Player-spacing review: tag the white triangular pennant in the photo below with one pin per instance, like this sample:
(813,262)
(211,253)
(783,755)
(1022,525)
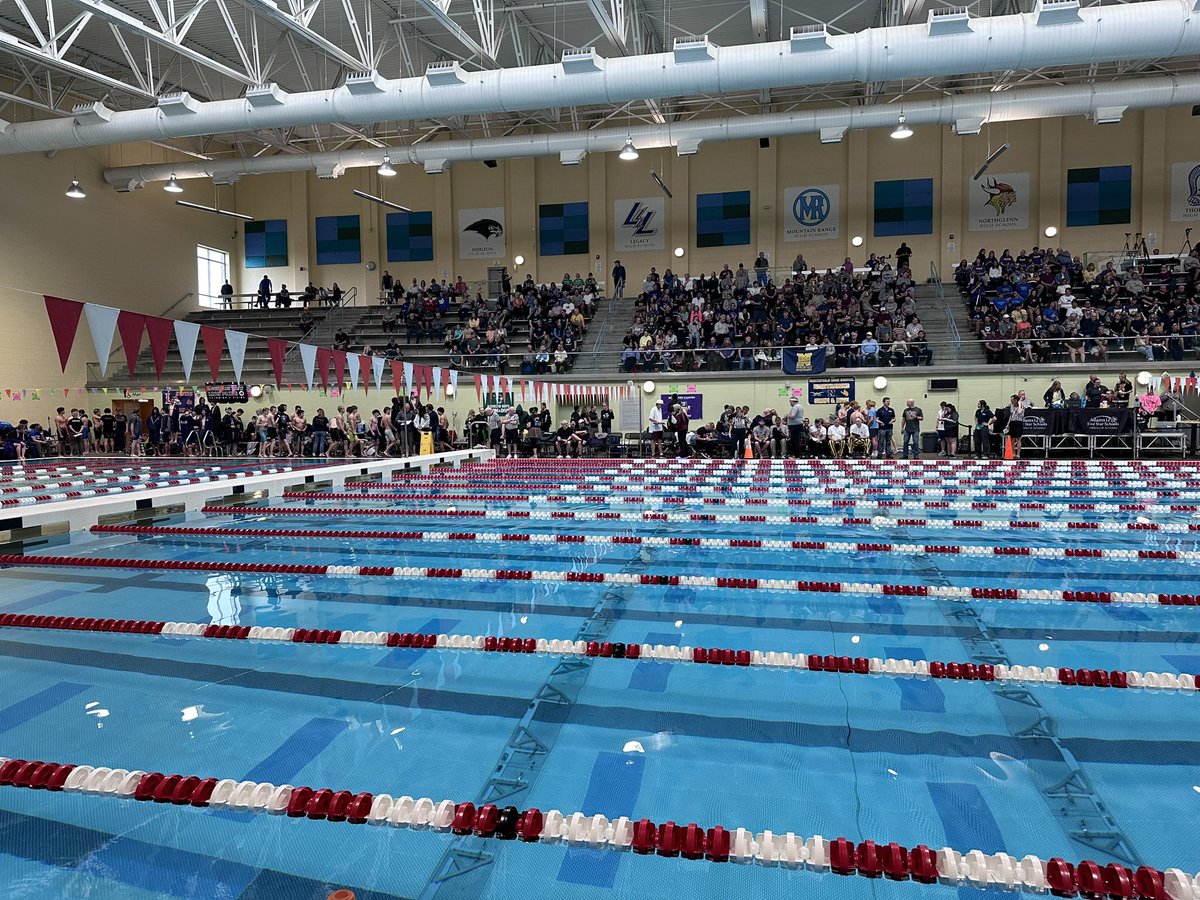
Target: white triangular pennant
(408,378)
(377,370)
(236,342)
(353,364)
(453,373)
(102,321)
(437,381)
(308,355)
(186,334)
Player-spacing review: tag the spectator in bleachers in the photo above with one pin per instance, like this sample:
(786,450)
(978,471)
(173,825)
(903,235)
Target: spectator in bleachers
(264,292)
(283,300)
(306,322)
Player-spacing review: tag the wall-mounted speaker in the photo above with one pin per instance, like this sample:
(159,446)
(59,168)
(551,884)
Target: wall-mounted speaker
(764,143)
(490,163)
(943,384)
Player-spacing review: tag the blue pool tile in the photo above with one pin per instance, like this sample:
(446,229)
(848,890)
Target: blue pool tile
(612,792)
(1188,664)
(165,871)
(920,694)
(31,707)
(969,825)
(885,606)
(652,675)
(37,600)
(304,745)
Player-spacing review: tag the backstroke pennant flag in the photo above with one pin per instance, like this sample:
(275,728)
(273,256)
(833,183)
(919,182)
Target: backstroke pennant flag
(324,358)
(453,373)
(102,322)
(131,325)
(352,366)
(186,334)
(277,347)
(308,356)
(339,367)
(377,371)
(236,342)
(160,331)
(437,381)
(214,343)
(64,323)
(397,376)
(408,379)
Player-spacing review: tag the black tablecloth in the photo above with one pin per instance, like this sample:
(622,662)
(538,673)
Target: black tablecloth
(1078,421)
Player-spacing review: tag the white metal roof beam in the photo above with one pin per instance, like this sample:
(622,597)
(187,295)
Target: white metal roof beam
(269,12)
(440,10)
(17,47)
(123,20)
(758,19)
(614,24)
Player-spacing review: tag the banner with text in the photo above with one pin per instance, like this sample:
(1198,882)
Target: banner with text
(481,233)
(639,224)
(999,202)
(1185,192)
(812,213)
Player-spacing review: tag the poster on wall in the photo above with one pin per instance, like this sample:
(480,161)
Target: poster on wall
(563,229)
(999,202)
(639,224)
(830,391)
(1185,192)
(812,213)
(481,233)
(693,404)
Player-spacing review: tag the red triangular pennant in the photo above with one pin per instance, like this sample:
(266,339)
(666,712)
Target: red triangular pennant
(277,347)
(214,343)
(131,325)
(397,377)
(64,322)
(478,388)
(366,372)
(161,331)
(339,366)
(324,358)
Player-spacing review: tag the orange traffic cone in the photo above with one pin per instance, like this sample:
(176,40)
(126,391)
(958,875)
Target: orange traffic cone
(749,454)
(1008,448)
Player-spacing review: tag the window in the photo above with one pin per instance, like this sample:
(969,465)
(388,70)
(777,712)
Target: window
(212,268)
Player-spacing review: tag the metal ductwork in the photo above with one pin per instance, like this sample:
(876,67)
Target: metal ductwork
(965,112)
(1056,33)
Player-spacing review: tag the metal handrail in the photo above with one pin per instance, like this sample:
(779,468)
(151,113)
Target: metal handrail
(935,279)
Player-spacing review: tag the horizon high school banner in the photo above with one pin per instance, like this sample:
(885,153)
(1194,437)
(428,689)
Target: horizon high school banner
(904,206)
(1099,196)
(812,213)
(410,236)
(481,233)
(1185,192)
(999,202)
(800,362)
(338,241)
(639,224)
(563,229)
(266,243)
(723,219)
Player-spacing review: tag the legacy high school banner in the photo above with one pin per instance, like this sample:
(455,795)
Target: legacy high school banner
(481,233)
(1185,192)
(812,213)
(639,224)
(999,202)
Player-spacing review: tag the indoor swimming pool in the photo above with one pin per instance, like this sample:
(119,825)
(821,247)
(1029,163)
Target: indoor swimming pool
(971,656)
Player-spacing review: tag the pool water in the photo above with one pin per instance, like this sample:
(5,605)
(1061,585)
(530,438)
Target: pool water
(1048,770)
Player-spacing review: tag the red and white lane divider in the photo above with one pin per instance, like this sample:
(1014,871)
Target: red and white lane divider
(716,656)
(764,519)
(645,837)
(140,486)
(658,501)
(504,537)
(956,592)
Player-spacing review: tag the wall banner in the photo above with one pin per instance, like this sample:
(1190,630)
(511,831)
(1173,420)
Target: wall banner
(1185,192)
(999,202)
(481,233)
(639,224)
(812,213)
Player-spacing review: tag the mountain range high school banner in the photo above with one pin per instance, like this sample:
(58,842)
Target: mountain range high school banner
(812,213)
(1185,192)
(639,224)
(481,233)
(998,202)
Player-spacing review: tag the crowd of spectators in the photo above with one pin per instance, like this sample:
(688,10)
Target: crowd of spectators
(1047,306)
(740,319)
(476,333)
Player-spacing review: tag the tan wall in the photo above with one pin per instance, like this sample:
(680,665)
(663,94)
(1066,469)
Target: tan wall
(1149,141)
(136,251)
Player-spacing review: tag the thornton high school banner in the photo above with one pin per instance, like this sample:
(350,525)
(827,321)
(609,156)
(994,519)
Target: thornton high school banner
(1185,192)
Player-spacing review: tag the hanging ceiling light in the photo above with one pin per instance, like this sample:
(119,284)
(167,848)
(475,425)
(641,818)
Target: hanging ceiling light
(75,192)
(901,130)
(628,151)
(385,167)
(172,186)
